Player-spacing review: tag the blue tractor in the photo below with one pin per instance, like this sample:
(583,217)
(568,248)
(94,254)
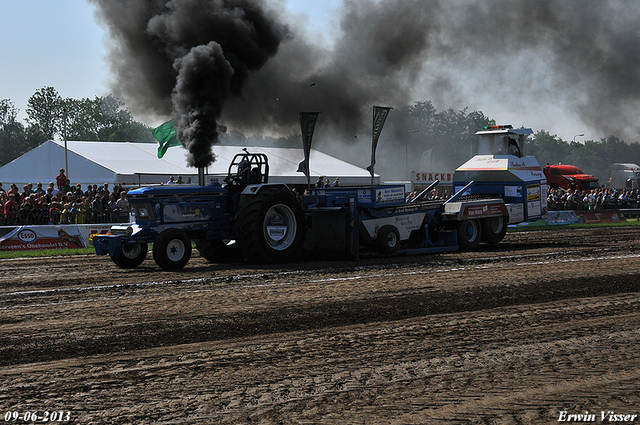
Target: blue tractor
(243,218)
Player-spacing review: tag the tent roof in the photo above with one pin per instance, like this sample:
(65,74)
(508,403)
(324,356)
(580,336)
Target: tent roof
(126,162)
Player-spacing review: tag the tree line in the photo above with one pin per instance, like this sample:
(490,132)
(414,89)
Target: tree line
(50,116)
(449,135)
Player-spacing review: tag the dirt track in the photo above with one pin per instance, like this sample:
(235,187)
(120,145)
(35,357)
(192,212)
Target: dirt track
(546,322)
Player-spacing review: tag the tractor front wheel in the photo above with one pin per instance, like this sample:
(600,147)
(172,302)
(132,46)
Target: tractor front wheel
(131,256)
(172,250)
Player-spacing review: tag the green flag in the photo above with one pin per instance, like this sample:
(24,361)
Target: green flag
(166,135)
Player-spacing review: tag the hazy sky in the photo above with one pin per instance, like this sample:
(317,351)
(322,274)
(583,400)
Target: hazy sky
(60,44)
(50,43)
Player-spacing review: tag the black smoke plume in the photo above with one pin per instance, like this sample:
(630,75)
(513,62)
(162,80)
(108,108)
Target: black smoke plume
(519,57)
(185,58)
(254,68)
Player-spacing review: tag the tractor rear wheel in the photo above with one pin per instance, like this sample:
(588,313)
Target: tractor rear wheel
(217,251)
(270,225)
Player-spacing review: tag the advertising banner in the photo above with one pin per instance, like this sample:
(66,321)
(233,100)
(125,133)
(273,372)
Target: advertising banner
(42,237)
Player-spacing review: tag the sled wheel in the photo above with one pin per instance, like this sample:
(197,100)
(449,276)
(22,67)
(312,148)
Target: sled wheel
(388,239)
(172,250)
(270,225)
(131,256)
(468,234)
(494,229)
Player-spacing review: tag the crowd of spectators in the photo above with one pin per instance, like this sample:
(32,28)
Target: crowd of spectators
(322,183)
(62,203)
(591,200)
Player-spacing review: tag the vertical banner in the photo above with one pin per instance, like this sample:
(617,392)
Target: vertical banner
(307,126)
(379,117)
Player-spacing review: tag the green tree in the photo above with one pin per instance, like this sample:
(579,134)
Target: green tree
(8,112)
(13,137)
(550,149)
(44,112)
(103,119)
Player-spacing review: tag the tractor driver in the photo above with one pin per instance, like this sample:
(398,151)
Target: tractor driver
(513,148)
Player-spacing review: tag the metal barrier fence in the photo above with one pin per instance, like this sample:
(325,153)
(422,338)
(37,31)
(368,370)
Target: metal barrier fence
(41,217)
(630,212)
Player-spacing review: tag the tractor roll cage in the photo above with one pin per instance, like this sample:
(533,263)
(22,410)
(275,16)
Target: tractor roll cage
(248,168)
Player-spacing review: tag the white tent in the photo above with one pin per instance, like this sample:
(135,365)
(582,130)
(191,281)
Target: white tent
(138,163)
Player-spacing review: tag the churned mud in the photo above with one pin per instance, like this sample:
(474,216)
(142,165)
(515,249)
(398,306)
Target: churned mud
(544,323)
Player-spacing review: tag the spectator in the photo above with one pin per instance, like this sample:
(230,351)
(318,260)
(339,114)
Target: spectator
(24,216)
(1,188)
(552,200)
(113,209)
(11,210)
(61,180)
(171,180)
(14,190)
(48,197)
(180,180)
(45,213)
(32,199)
(123,208)
(336,182)
(3,200)
(65,215)
(39,190)
(320,182)
(53,189)
(104,198)
(297,194)
(82,212)
(97,209)
(36,213)
(67,187)
(410,196)
(55,213)
(78,193)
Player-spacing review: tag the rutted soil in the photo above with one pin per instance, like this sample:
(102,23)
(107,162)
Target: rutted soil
(545,322)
